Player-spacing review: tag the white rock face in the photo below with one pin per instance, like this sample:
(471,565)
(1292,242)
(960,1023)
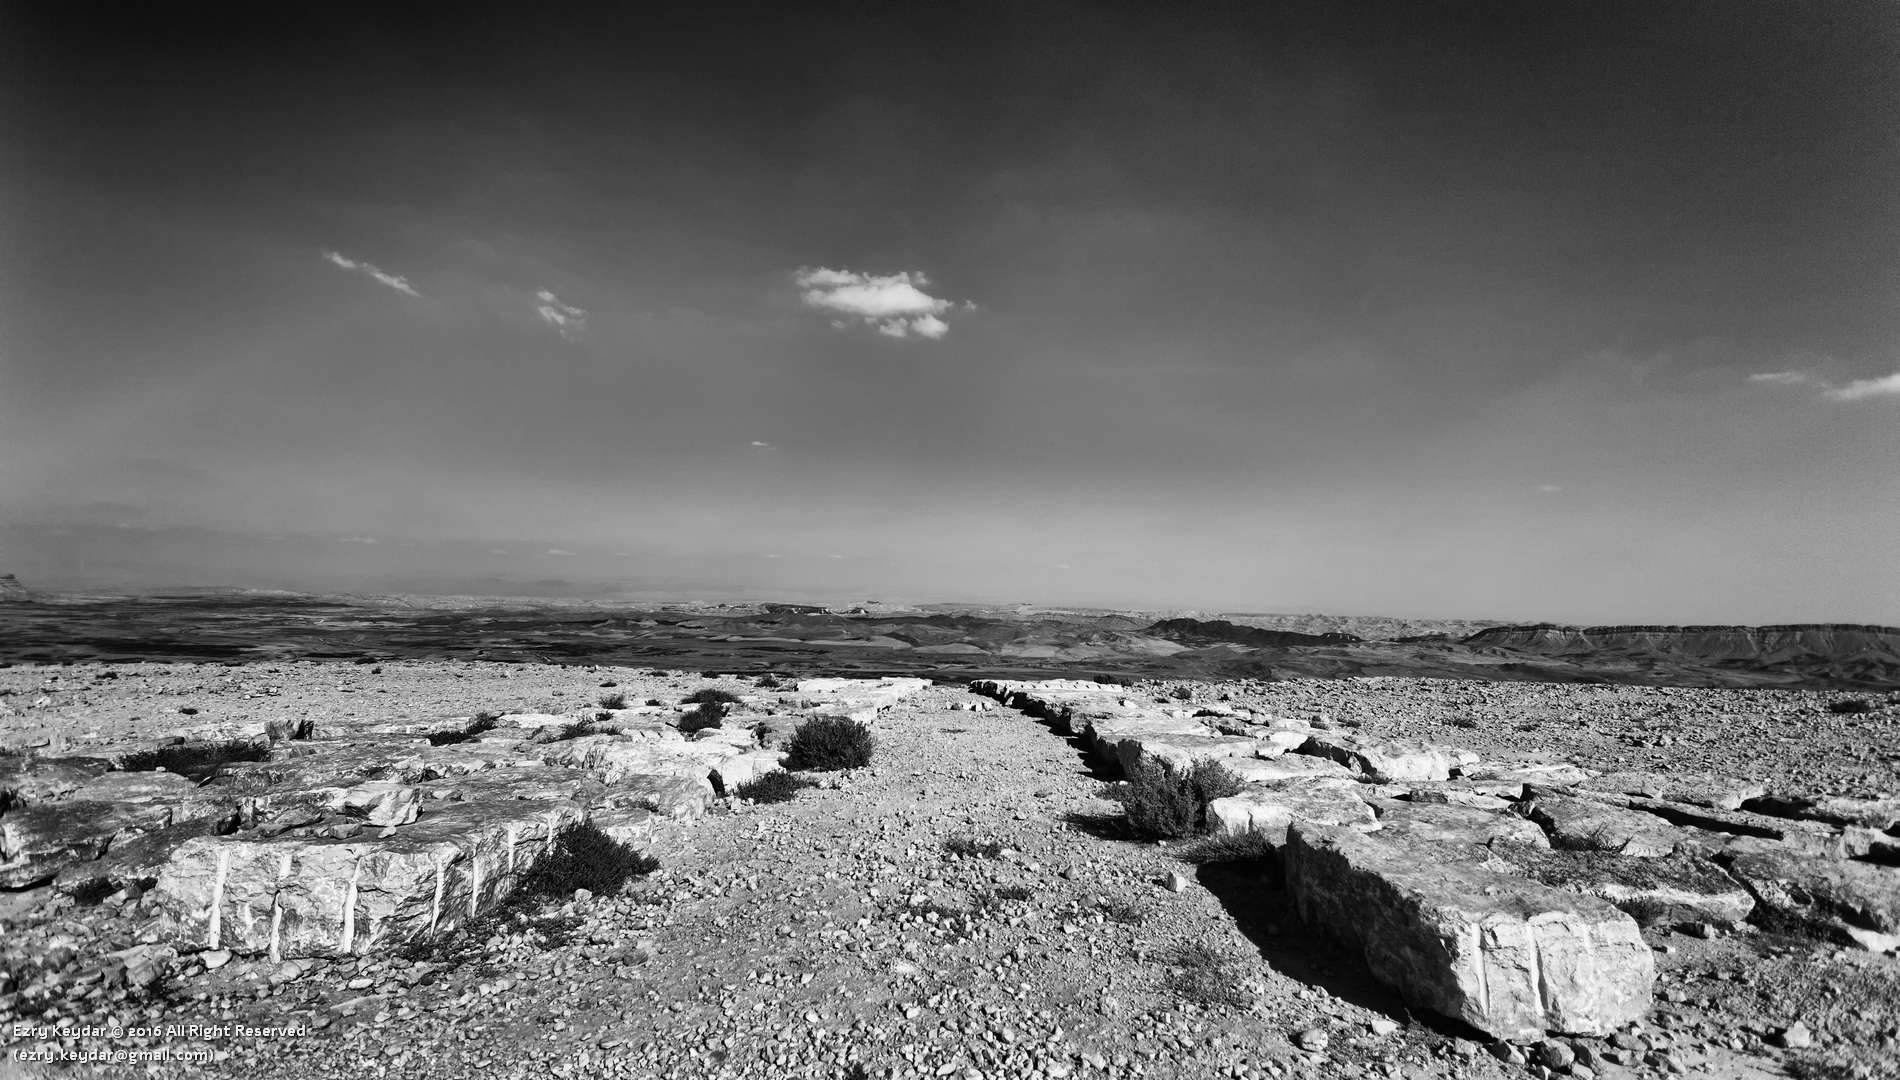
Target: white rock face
(295,896)
(1383,762)
(382,803)
(1270,809)
(1510,957)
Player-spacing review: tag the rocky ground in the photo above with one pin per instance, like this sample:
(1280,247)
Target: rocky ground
(962,907)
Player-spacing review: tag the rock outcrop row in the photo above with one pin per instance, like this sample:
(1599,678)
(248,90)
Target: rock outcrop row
(344,837)
(1509,895)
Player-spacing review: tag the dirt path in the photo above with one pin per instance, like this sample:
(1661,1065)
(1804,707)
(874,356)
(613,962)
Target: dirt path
(798,939)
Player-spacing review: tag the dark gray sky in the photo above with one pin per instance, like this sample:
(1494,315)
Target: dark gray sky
(1588,312)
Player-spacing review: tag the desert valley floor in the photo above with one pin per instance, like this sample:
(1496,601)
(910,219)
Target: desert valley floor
(967,905)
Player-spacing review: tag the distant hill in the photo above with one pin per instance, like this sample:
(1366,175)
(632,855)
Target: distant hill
(1834,650)
(1220,631)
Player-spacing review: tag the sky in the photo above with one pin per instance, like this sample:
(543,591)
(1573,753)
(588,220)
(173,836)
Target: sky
(1579,312)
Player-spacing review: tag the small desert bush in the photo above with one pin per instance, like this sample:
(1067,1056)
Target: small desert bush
(710,696)
(828,744)
(482,721)
(708,715)
(1160,804)
(1123,912)
(197,760)
(1199,975)
(775,786)
(966,848)
(1464,722)
(1244,847)
(613,701)
(586,858)
(571,730)
(1016,893)
(1850,705)
(608,685)
(767,681)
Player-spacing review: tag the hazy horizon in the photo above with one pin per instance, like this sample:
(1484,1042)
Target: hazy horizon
(1581,313)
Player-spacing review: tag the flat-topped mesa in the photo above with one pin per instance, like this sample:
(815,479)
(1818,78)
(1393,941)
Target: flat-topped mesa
(1772,644)
(12,592)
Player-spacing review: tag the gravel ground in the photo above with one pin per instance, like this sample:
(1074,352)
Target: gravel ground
(799,939)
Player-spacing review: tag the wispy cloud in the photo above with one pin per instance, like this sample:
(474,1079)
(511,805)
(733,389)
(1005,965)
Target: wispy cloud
(1549,489)
(562,552)
(357,540)
(894,305)
(1883,386)
(1782,378)
(1857,390)
(394,281)
(762,445)
(566,318)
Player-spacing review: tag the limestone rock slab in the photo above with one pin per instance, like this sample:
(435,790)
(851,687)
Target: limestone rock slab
(1383,761)
(1270,809)
(1510,957)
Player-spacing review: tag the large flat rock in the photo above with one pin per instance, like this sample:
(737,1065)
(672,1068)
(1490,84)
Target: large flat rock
(1666,890)
(300,895)
(1841,896)
(1288,767)
(1178,753)
(1269,810)
(1383,761)
(1588,825)
(1510,957)
(1444,823)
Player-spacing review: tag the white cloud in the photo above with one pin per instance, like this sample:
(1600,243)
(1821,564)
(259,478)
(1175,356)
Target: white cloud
(894,305)
(559,551)
(356,540)
(498,551)
(566,318)
(1857,390)
(763,445)
(775,555)
(396,282)
(1550,489)
(1883,386)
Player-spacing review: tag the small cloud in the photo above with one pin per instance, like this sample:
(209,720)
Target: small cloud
(1781,378)
(1064,566)
(894,305)
(775,555)
(357,540)
(566,318)
(834,556)
(1883,386)
(762,445)
(1550,489)
(1857,390)
(559,551)
(394,281)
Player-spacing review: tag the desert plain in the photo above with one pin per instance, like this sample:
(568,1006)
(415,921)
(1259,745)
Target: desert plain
(256,835)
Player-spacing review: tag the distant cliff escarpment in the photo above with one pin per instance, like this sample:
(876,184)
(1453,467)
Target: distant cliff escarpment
(1222,632)
(1845,649)
(12,592)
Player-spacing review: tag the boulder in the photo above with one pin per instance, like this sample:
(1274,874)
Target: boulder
(1877,814)
(1510,957)
(1380,761)
(382,802)
(1696,789)
(1443,823)
(1665,890)
(1587,825)
(1288,767)
(1838,897)
(745,768)
(1508,779)
(297,896)
(1270,809)
(1179,752)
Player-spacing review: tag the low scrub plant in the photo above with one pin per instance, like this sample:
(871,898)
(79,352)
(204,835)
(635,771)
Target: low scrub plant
(1850,705)
(1240,848)
(613,701)
(828,744)
(482,721)
(773,787)
(711,714)
(1163,804)
(1199,975)
(711,695)
(586,858)
(197,760)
